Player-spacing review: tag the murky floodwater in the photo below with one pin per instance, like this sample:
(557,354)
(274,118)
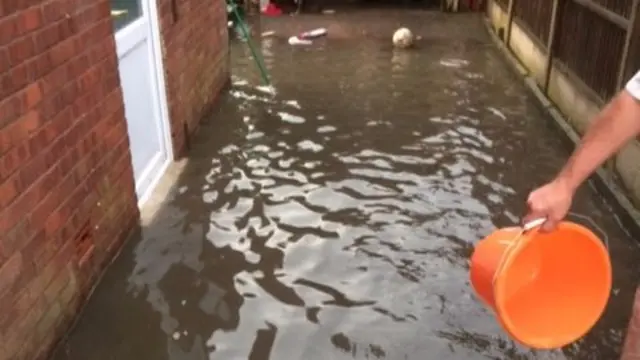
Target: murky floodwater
(335,219)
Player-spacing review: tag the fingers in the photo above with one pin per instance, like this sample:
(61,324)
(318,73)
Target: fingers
(534,209)
(532,216)
(549,225)
(550,202)
(539,208)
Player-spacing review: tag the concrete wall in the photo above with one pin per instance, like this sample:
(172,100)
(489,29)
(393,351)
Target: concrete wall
(578,105)
(196,55)
(67,199)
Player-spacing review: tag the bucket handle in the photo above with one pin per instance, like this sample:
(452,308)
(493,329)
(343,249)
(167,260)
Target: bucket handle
(605,238)
(533,224)
(539,221)
(528,226)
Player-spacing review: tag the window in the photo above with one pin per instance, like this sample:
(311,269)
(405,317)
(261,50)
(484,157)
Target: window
(124,12)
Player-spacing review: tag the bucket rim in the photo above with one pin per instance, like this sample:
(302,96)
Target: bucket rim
(499,289)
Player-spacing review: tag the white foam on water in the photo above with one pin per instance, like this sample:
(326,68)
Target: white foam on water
(240,82)
(326,129)
(268,89)
(497,112)
(454,63)
(290,118)
(310,146)
(293,103)
(209,196)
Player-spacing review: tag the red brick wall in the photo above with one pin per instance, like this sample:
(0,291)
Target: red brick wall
(196,59)
(67,196)
(631,350)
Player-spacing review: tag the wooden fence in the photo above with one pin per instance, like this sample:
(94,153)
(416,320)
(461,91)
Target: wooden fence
(596,40)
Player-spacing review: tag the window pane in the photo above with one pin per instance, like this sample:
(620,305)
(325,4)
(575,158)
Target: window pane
(125,12)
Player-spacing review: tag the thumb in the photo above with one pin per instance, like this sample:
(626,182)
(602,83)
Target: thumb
(550,224)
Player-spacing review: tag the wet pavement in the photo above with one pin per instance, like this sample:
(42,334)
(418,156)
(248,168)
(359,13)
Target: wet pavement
(335,219)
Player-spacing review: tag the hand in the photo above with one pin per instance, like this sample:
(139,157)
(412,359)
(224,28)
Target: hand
(551,201)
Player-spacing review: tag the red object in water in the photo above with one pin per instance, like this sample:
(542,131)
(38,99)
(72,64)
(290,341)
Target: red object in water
(272,10)
(475,5)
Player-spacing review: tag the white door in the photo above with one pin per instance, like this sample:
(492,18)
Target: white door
(141,78)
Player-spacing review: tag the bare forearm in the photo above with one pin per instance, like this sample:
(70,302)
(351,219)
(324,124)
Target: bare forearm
(616,124)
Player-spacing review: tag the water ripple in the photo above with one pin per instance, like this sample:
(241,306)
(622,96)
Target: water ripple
(334,218)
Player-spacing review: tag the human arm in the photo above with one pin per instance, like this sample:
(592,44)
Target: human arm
(614,126)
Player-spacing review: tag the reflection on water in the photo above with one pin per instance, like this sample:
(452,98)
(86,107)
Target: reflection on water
(334,218)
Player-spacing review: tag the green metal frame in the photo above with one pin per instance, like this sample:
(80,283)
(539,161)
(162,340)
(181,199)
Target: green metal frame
(232,8)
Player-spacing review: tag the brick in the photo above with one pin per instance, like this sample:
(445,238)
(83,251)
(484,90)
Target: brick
(23,301)
(32,95)
(193,67)
(13,240)
(8,191)
(64,148)
(8,29)
(61,52)
(10,216)
(68,293)
(48,320)
(31,19)
(13,6)
(15,79)
(10,271)
(45,38)
(54,10)
(20,130)
(46,253)
(11,138)
(5,63)
(21,50)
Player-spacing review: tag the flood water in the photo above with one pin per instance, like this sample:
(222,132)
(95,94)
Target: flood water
(335,218)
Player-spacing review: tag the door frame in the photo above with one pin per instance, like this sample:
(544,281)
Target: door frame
(158,85)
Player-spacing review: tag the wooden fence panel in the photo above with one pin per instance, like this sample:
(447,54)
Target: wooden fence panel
(633,64)
(535,16)
(590,37)
(620,7)
(590,46)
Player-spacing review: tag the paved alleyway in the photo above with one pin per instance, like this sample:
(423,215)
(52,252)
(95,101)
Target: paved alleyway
(334,220)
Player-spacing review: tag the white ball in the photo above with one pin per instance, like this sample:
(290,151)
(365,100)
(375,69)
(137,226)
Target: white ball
(403,38)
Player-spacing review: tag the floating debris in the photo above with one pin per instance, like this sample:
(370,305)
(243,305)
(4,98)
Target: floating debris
(269,89)
(290,118)
(293,103)
(305,37)
(294,40)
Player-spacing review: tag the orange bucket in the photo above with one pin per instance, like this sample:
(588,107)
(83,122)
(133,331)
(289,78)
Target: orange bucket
(546,289)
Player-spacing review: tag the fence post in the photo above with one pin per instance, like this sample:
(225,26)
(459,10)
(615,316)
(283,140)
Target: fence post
(630,42)
(510,12)
(551,39)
